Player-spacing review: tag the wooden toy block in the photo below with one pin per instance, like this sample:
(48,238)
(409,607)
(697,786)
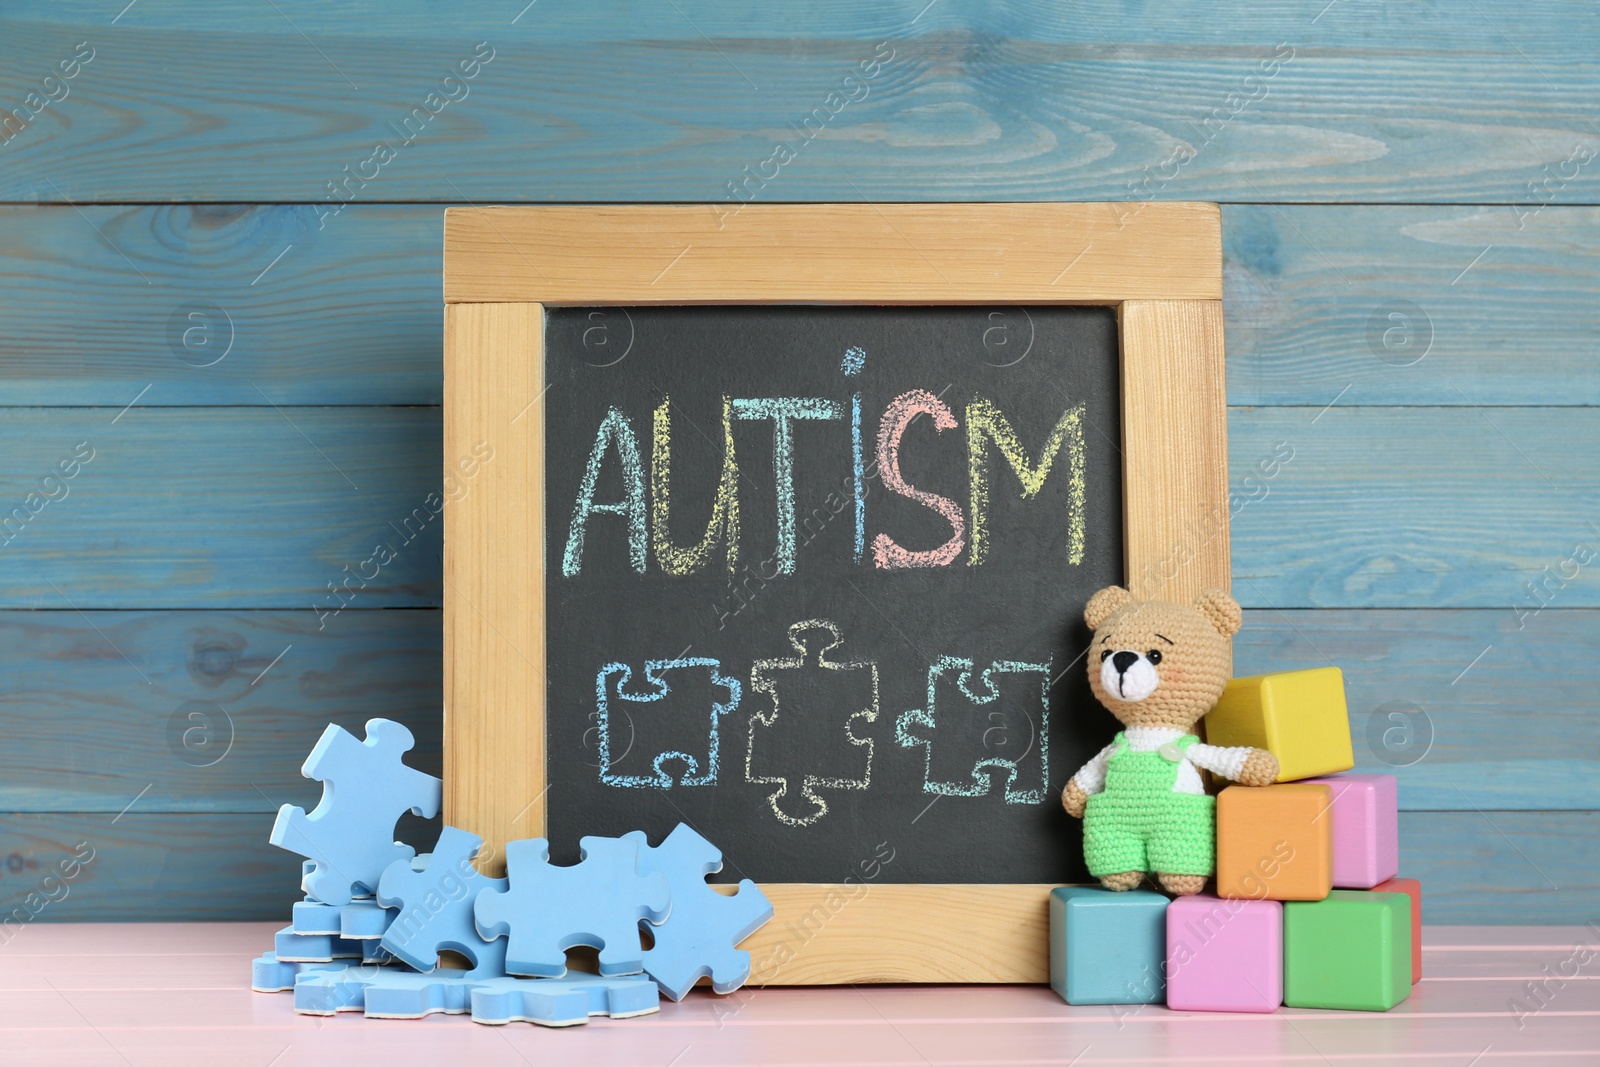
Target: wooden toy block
(1298,716)
(1275,842)
(1350,951)
(1413,889)
(1366,828)
(1224,955)
(1106,947)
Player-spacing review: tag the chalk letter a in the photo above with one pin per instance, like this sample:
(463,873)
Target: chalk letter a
(614,428)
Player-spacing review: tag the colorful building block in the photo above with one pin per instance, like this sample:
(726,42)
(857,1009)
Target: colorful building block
(1275,842)
(1413,889)
(1366,828)
(1350,951)
(1298,716)
(1224,955)
(1106,947)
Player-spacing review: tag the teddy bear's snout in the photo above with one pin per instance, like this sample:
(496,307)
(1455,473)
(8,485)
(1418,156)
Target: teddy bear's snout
(1128,676)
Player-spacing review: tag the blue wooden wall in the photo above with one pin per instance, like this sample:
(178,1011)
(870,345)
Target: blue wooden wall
(243,374)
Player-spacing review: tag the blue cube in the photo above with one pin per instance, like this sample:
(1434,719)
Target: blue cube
(1108,948)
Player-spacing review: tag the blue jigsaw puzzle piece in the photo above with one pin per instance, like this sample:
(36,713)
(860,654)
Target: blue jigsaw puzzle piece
(269,974)
(702,931)
(597,902)
(567,1001)
(291,947)
(381,992)
(366,788)
(968,731)
(372,951)
(435,907)
(672,732)
(355,921)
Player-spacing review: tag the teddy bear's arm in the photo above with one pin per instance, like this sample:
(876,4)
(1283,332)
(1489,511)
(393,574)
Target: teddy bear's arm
(1091,777)
(1227,762)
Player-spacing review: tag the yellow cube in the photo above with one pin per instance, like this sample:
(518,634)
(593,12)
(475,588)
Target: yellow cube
(1298,716)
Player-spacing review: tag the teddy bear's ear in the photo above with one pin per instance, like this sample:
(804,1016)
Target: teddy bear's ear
(1221,611)
(1103,603)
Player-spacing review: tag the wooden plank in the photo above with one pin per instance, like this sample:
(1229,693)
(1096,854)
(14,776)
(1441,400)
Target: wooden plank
(970,103)
(222,507)
(1497,867)
(350,315)
(224,304)
(494,577)
(1456,728)
(145,866)
(1482,740)
(1412,305)
(839,253)
(1405,507)
(1174,448)
(200,710)
(1503,867)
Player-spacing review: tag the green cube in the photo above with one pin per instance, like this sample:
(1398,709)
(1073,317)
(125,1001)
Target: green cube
(1350,951)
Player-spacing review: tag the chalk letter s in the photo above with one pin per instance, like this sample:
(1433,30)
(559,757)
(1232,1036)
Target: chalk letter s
(901,410)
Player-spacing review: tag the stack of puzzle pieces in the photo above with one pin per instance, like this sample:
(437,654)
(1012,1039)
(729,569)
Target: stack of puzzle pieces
(1307,909)
(376,916)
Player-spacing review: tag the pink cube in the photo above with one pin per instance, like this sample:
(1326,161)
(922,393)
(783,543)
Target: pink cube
(1366,828)
(1224,955)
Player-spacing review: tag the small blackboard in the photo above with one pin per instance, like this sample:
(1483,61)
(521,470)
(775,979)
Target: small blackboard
(815,580)
(871,704)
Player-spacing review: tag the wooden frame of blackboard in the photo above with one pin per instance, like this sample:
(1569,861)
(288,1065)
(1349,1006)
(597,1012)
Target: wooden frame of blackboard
(1159,264)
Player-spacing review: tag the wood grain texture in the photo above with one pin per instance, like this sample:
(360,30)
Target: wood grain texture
(148,866)
(1494,867)
(1174,448)
(1377,507)
(200,710)
(68,700)
(860,932)
(1380,305)
(222,507)
(219,304)
(350,314)
(834,253)
(494,644)
(1096,101)
(1415,507)
(1441,699)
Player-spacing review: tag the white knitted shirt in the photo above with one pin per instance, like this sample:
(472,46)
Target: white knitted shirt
(1227,762)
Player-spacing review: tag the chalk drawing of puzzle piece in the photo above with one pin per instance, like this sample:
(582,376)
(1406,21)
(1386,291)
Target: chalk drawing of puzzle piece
(670,723)
(700,935)
(365,790)
(809,741)
(976,722)
(434,897)
(566,1001)
(597,902)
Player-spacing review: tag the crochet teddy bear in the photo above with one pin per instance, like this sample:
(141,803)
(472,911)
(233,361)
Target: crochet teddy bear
(1158,667)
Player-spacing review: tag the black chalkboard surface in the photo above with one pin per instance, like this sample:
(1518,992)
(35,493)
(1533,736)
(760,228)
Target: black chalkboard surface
(815,578)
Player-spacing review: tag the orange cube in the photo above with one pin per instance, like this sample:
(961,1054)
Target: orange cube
(1275,842)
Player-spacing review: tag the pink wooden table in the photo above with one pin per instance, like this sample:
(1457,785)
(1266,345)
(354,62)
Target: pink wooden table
(176,994)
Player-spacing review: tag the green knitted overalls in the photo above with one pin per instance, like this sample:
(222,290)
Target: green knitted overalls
(1139,824)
